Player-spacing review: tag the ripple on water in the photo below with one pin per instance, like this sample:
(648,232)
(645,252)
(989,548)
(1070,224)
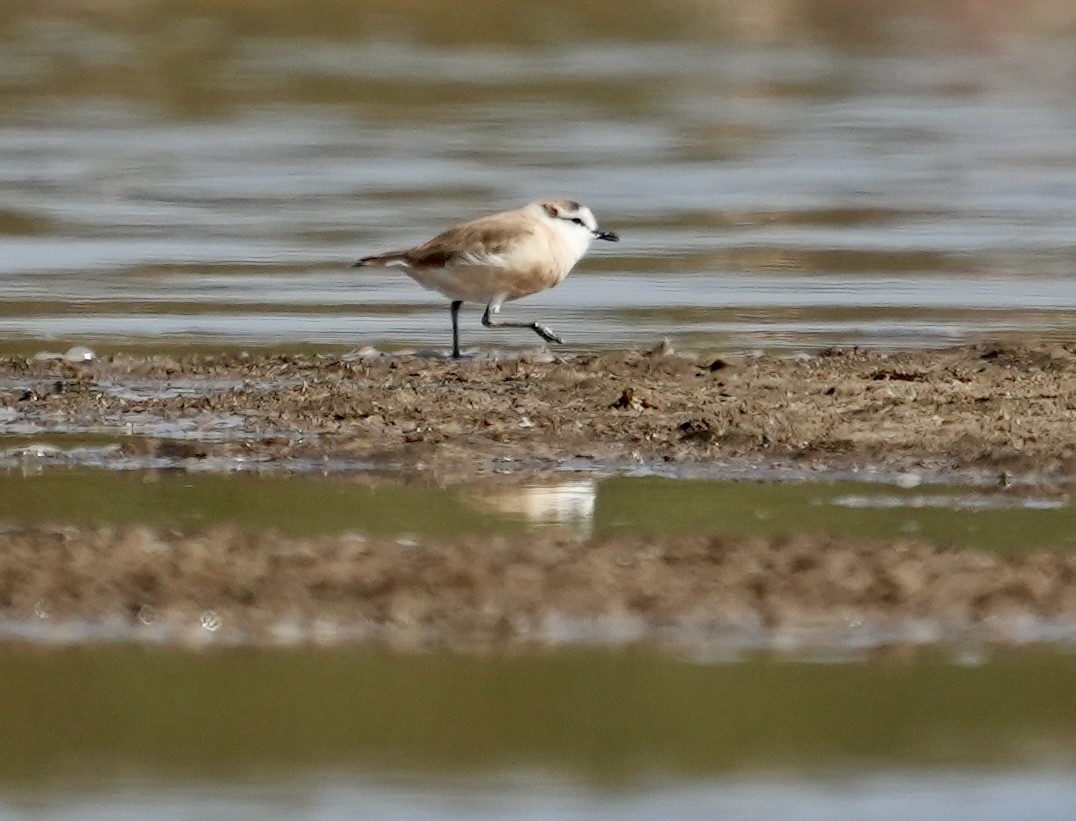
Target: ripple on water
(791,194)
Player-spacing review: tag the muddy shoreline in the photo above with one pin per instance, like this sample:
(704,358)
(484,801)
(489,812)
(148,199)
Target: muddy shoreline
(989,410)
(707,594)
(999,413)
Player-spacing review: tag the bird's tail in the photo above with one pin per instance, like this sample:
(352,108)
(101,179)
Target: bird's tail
(383,260)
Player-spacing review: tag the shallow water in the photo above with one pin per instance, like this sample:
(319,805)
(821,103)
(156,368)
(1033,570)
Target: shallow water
(1003,520)
(782,179)
(227,733)
(957,796)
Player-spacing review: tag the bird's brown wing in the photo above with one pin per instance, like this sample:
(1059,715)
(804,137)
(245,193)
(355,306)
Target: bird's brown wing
(487,241)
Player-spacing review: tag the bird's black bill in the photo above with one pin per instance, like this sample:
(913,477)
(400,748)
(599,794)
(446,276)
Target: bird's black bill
(609,235)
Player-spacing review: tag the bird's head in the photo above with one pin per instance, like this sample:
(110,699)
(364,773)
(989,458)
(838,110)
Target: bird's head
(575,219)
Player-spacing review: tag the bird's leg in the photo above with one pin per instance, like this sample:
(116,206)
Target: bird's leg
(542,331)
(456,303)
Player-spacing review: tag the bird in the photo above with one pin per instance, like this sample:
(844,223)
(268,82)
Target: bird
(499,258)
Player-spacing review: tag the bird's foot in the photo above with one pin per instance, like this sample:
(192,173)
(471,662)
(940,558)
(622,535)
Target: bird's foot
(547,334)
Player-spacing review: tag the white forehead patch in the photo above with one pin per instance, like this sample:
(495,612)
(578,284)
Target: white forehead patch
(583,213)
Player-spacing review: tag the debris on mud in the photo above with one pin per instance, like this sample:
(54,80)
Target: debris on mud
(992,408)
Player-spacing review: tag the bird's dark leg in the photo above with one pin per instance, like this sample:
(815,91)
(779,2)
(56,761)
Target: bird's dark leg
(541,330)
(456,303)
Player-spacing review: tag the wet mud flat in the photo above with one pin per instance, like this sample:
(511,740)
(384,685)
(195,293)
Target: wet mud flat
(986,410)
(704,593)
(1000,413)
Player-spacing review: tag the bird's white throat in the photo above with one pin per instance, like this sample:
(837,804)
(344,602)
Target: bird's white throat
(575,237)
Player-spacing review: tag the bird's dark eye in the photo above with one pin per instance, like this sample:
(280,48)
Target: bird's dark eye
(577,221)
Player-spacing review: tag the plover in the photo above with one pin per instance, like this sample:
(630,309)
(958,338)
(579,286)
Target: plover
(496,259)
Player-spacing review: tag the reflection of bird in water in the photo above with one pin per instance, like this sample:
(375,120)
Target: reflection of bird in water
(564,503)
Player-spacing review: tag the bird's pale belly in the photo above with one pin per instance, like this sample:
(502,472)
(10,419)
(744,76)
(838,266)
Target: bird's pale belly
(483,284)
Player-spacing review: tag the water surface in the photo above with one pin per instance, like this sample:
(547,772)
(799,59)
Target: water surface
(583,734)
(1003,520)
(901,177)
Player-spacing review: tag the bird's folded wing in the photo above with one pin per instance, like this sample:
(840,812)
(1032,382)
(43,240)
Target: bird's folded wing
(499,241)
